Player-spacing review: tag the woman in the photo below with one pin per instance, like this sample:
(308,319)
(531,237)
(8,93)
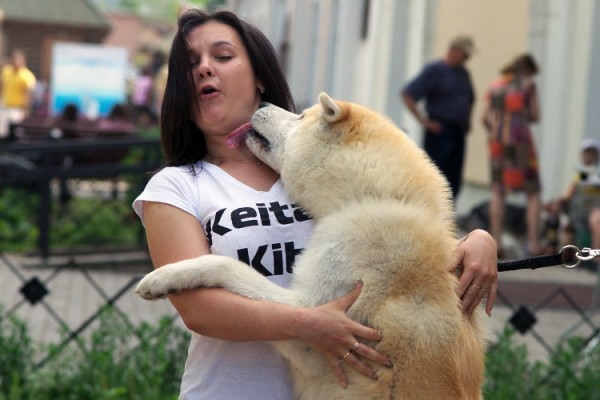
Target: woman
(511,105)
(221,200)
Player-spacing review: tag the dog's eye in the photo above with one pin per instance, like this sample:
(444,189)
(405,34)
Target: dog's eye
(265,144)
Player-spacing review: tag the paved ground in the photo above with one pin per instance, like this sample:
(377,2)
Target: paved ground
(556,295)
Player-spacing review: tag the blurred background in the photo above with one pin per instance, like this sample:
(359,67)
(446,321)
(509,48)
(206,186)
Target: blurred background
(366,50)
(358,50)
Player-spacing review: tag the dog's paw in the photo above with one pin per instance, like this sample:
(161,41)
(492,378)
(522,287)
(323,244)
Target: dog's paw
(157,285)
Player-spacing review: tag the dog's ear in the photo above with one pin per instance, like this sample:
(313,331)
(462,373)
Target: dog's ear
(331,111)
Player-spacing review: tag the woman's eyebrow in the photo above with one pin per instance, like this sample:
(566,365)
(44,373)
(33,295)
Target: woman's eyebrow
(221,43)
(215,45)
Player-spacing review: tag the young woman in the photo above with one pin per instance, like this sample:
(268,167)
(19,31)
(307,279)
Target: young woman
(220,200)
(511,106)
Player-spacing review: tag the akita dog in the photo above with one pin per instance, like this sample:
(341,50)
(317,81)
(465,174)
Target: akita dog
(383,215)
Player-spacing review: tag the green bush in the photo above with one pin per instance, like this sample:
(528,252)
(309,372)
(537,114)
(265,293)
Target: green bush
(121,362)
(18,219)
(116,362)
(94,222)
(571,373)
(16,354)
(82,222)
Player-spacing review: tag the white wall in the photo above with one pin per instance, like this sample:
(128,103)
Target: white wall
(562,39)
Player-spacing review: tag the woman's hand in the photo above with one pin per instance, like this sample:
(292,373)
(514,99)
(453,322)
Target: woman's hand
(477,258)
(329,330)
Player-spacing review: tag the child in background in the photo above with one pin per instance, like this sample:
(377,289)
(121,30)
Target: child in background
(581,204)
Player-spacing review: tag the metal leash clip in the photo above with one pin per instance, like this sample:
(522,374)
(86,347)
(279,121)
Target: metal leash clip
(572,256)
(587,254)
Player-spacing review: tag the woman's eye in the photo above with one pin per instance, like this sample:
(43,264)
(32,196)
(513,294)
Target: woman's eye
(223,58)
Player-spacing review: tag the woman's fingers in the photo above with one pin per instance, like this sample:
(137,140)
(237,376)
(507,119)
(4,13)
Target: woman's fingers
(475,293)
(365,332)
(353,353)
(491,299)
(336,368)
(351,359)
(472,297)
(346,301)
(360,349)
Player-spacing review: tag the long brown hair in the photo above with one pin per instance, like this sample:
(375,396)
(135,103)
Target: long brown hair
(524,63)
(182,141)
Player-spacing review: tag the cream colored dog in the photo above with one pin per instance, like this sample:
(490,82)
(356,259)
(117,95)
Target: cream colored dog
(383,216)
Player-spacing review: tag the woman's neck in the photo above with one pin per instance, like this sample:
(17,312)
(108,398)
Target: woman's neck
(220,155)
(222,160)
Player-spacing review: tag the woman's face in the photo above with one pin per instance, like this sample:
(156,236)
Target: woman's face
(223,77)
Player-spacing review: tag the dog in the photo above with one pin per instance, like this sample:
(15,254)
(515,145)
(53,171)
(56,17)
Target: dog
(383,215)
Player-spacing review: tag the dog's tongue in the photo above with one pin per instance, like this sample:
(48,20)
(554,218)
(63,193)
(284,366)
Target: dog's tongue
(236,137)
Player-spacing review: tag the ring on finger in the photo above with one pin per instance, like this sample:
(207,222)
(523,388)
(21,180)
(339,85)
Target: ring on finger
(476,286)
(355,347)
(346,355)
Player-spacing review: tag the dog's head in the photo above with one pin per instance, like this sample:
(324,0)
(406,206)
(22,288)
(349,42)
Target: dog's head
(336,152)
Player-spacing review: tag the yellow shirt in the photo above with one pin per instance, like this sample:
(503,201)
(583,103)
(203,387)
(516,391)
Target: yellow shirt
(16,86)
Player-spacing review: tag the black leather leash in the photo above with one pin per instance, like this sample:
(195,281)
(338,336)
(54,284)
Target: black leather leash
(569,256)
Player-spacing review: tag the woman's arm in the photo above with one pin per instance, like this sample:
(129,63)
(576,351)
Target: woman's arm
(534,105)
(486,116)
(174,235)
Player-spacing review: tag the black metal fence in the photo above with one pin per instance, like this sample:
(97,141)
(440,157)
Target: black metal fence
(524,318)
(62,164)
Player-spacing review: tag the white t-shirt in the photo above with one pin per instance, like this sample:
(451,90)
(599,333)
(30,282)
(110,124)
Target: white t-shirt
(263,229)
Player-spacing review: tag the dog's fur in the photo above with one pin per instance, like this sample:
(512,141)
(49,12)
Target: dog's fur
(383,216)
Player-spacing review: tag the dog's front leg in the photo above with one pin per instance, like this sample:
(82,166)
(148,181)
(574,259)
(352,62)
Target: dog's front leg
(212,271)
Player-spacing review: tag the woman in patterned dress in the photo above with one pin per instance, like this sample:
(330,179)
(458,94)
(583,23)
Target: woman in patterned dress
(511,106)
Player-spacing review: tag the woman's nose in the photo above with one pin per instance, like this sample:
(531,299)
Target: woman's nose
(205,69)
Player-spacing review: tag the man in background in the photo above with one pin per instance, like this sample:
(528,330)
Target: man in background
(16,87)
(445,87)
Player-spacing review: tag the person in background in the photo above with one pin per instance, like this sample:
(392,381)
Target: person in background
(581,201)
(17,83)
(141,98)
(446,88)
(68,121)
(511,105)
(116,122)
(158,89)
(220,69)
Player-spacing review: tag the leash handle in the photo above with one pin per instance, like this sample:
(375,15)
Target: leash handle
(569,257)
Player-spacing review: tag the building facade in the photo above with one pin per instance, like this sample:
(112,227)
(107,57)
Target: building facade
(366,50)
